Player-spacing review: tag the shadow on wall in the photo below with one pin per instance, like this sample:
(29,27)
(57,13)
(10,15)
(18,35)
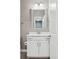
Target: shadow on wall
(23,55)
(22,46)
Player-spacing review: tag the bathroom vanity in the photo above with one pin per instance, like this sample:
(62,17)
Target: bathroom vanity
(38,45)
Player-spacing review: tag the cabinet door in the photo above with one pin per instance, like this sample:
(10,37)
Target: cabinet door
(32,49)
(44,49)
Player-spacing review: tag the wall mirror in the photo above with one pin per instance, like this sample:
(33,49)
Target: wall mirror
(38,19)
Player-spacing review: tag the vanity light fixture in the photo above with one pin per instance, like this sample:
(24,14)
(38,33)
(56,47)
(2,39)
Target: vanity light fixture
(38,4)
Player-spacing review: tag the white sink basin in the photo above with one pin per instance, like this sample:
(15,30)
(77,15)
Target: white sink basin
(39,34)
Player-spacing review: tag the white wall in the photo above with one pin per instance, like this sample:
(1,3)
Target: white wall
(53,29)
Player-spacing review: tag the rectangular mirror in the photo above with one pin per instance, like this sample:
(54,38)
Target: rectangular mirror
(38,18)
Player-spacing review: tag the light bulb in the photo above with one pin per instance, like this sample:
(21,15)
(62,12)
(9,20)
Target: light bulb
(36,5)
(41,4)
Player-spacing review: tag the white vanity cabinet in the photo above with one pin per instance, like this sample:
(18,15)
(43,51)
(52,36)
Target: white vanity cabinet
(44,49)
(38,46)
